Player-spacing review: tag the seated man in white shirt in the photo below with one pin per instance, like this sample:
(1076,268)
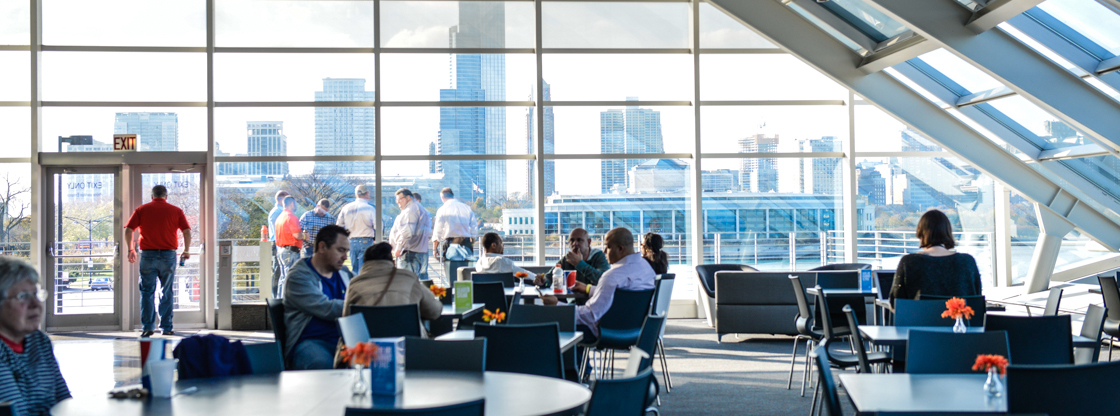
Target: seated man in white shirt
(629,271)
(493,262)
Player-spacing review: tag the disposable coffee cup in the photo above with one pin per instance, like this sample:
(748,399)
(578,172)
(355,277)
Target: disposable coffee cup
(163,377)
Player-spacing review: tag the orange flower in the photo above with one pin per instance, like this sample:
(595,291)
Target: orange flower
(521,275)
(362,353)
(956,308)
(986,361)
(438,291)
(496,316)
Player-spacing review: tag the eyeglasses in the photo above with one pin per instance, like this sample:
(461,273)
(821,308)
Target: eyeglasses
(25,297)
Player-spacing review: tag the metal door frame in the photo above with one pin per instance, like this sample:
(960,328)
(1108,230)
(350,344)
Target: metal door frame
(204,317)
(48,225)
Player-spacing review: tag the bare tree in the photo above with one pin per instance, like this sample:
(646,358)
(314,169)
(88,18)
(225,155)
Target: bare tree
(14,209)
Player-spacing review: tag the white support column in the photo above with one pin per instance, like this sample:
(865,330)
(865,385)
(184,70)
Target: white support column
(377,122)
(38,197)
(209,224)
(850,187)
(697,187)
(1002,244)
(1051,229)
(539,162)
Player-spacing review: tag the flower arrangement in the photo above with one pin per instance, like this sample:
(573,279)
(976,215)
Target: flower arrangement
(984,362)
(439,292)
(360,354)
(521,275)
(956,308)
(492,317)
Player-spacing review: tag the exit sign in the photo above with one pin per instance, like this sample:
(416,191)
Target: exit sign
(124,142)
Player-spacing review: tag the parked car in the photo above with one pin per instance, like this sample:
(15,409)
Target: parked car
(101,283)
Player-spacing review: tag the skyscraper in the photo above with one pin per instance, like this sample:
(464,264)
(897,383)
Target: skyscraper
(474,131)
(266,138)
(157,132)
(344,130)
(758,174)
(633,130)
(549,144)
(825,172)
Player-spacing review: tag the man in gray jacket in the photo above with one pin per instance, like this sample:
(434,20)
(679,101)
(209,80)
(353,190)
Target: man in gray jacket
(313,296)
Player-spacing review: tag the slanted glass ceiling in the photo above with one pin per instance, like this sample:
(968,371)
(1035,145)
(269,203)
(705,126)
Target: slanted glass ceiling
(871,22)
(961,72)
(1089,19)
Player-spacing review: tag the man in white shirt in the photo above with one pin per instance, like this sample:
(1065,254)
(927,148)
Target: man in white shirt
(410,244)
(358,218)
(492,260)
(455,223)
(629,271)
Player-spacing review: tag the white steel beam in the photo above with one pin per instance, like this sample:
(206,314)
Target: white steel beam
(1013,63)
(783,27)
(895,51)
(1052,228)
(998,12)
(1075,152)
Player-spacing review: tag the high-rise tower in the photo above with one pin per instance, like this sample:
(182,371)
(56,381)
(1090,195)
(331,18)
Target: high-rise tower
(266,138)
(757,174)
(158,132)
(549,144)
(344,130)
(476,77)
(634,131)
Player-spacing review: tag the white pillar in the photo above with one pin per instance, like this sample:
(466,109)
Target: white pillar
(1051,230)
(1001,244)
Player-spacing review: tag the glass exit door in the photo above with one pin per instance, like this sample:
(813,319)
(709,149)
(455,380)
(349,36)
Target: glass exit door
(83,274)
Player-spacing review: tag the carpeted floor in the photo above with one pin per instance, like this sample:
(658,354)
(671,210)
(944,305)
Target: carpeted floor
(745,376)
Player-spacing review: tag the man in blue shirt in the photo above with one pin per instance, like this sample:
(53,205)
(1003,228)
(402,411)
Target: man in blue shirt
(314,292)
(272,217)
(312,221)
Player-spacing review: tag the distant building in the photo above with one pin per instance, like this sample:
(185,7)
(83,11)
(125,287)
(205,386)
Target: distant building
(549,144)
(1060,133)
(266,138)
(720,180)
(872,184)
(344,130)
(475,131)
(759,174)
(825,173)
(156,132)
(633,130)
(658,175)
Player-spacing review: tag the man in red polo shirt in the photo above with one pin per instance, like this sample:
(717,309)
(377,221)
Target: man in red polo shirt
(157,222)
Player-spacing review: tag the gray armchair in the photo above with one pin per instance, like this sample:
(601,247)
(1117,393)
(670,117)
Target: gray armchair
(706,274)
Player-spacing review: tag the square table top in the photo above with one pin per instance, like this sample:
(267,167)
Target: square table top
(531,292)
(449,310)
(900,392)
(843,292)
(567,339)
(899,335)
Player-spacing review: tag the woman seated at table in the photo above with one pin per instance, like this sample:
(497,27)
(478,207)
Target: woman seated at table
(651,251)
(29,376)
(493,262)
(381,283)
(936,269)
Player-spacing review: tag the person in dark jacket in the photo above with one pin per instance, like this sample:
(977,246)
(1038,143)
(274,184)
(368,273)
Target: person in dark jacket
(588,263)
(936,269)
(30,379)
(651,251)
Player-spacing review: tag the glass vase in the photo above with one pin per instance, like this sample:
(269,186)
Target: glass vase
(993,387)
(959,327)
(359,386)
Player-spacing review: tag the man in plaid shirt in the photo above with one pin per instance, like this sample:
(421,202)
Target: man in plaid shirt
(312,221)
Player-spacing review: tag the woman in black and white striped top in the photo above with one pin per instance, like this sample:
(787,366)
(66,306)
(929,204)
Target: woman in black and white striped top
(29,376)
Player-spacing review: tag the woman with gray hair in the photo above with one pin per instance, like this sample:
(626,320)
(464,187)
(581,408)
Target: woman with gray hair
(29,376)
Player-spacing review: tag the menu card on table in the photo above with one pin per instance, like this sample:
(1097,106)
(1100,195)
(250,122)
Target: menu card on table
(464,298)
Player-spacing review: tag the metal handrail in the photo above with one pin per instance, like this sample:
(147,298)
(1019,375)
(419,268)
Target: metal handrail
(50,250)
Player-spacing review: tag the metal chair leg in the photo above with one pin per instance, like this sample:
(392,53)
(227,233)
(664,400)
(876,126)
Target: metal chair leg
(805,368)
(583,364)
(665,367)
(793,361)
(1111,339)
(813,406)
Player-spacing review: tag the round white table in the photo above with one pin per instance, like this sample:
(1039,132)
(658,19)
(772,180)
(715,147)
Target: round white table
(327,392)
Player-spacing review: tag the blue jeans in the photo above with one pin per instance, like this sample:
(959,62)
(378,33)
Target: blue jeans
(414,262)
(313,354)
(287,259)
(157,264)
(358,246)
